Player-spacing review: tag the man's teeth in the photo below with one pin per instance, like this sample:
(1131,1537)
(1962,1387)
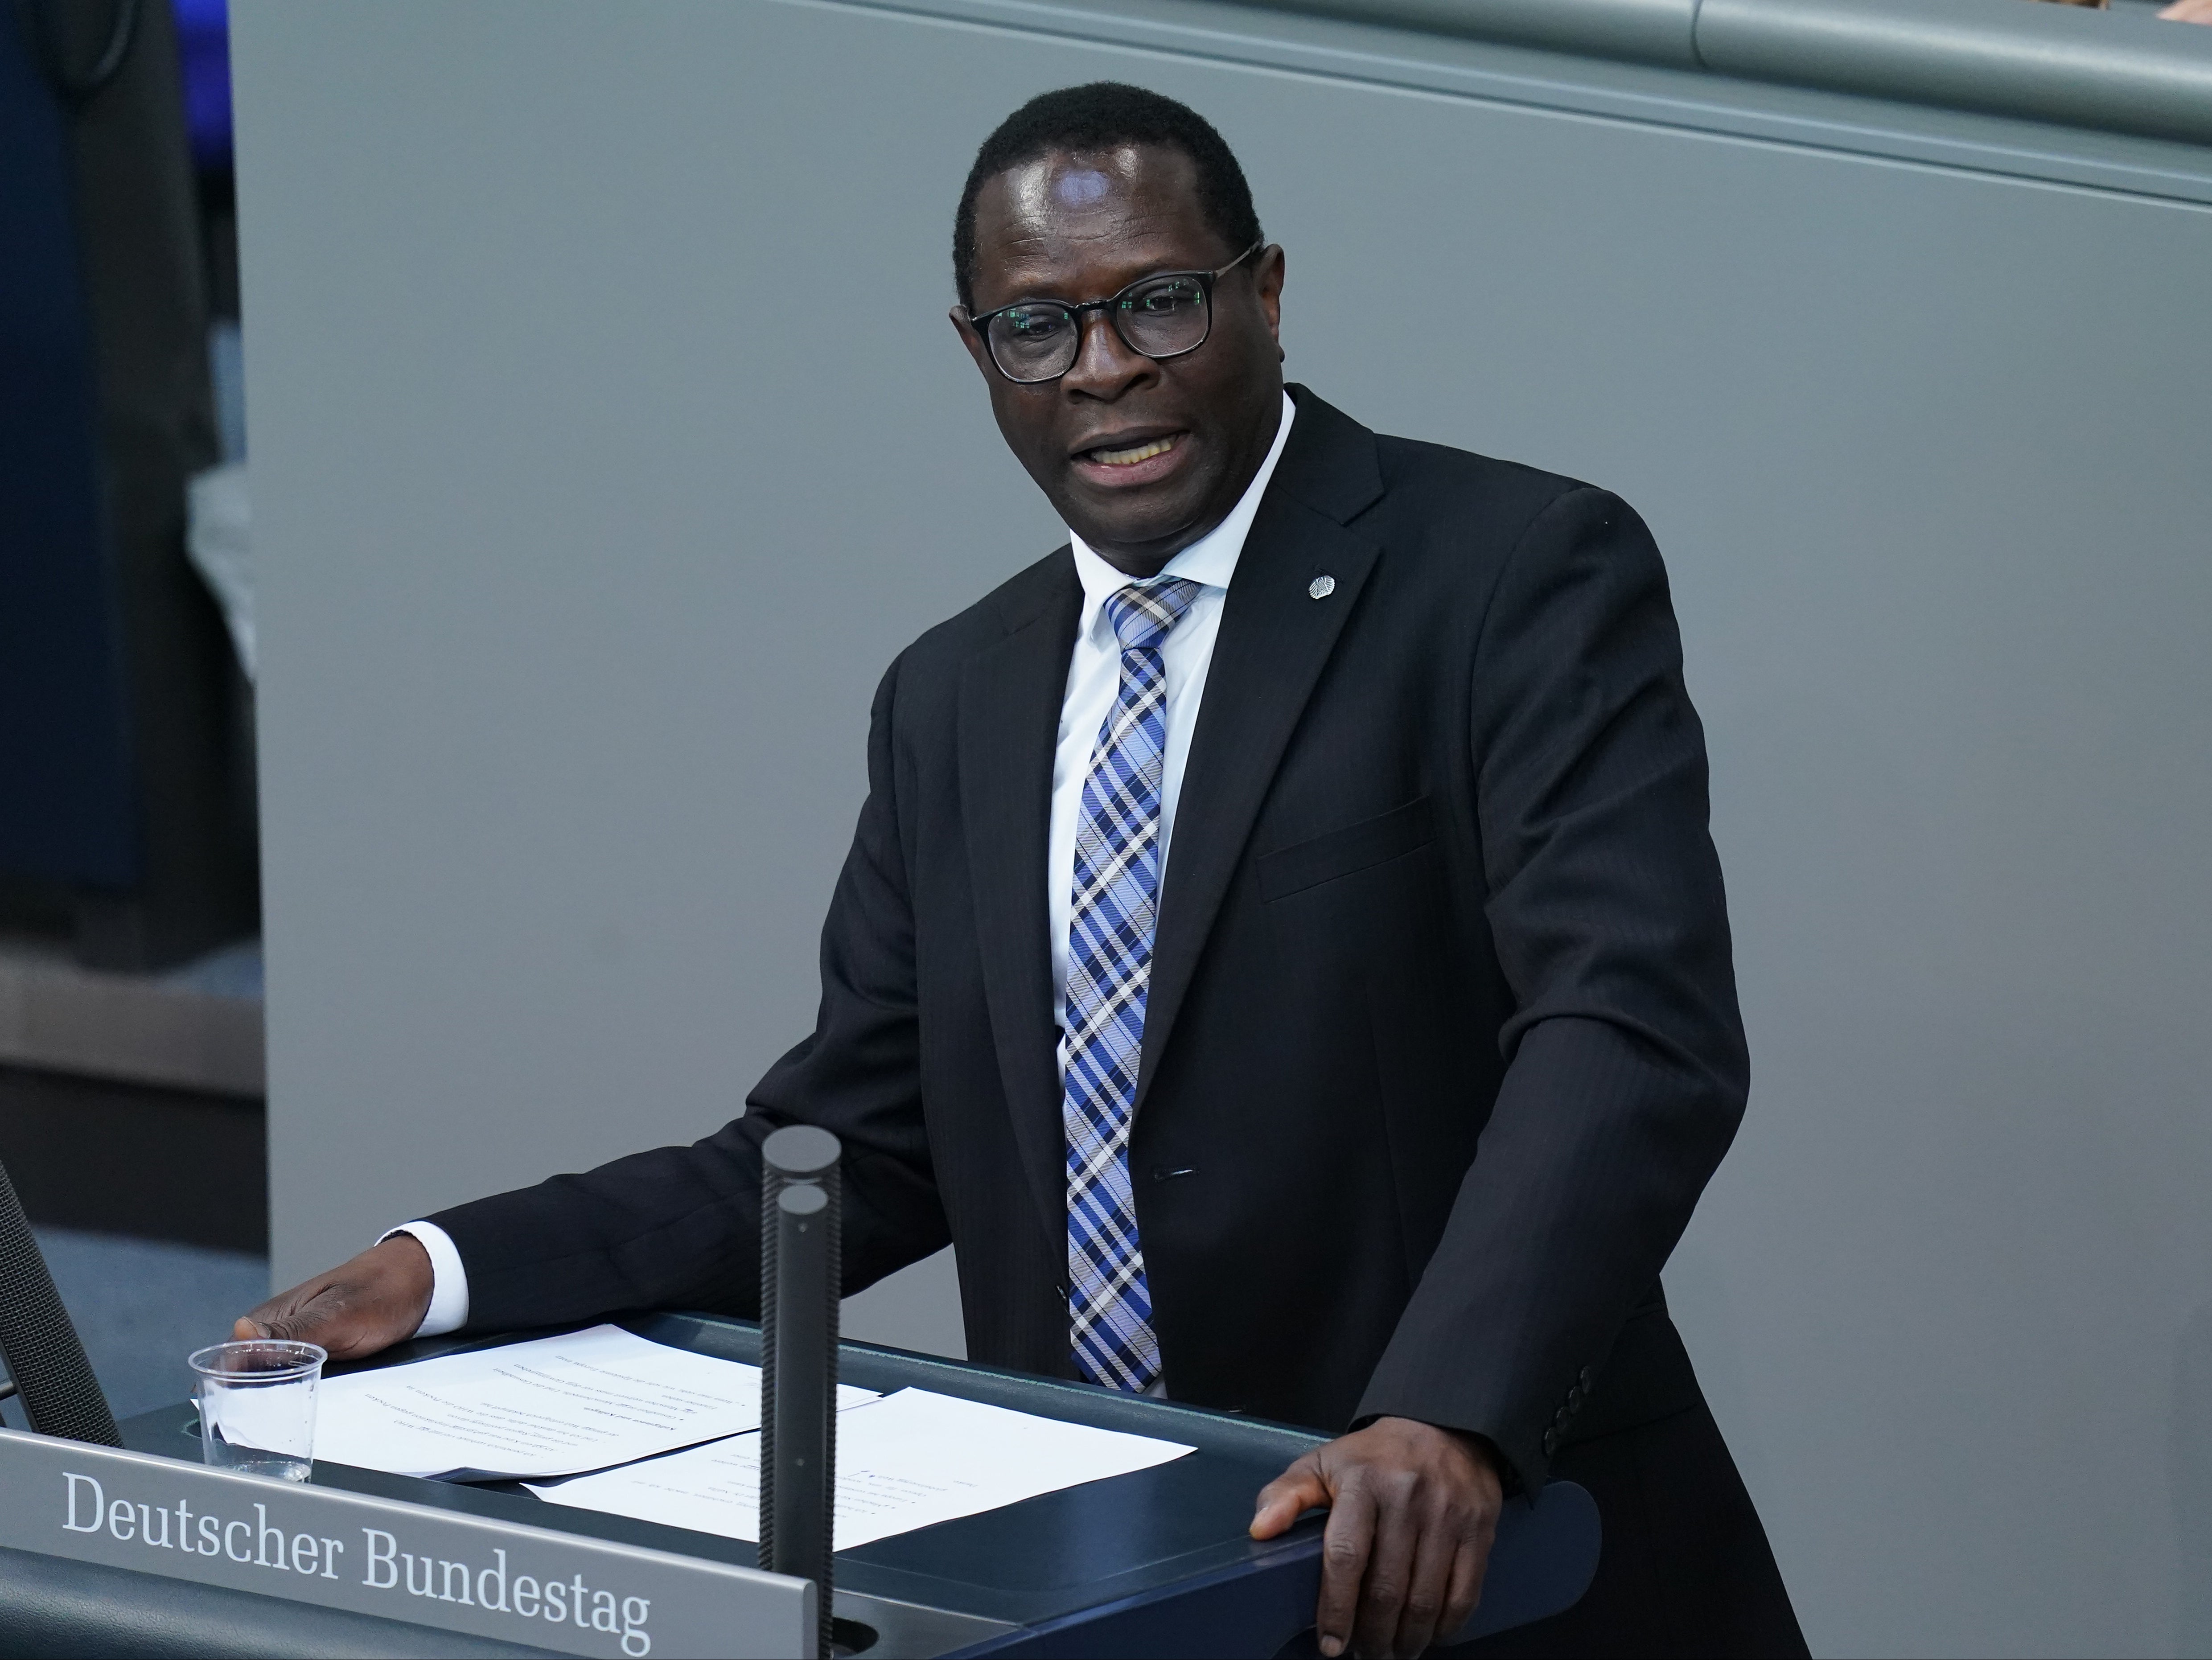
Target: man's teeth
(1129,458)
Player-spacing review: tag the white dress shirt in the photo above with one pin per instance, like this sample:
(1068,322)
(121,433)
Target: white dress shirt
(449,1280)
(1094,679)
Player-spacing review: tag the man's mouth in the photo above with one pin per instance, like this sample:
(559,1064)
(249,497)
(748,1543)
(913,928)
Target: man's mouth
(1133,454)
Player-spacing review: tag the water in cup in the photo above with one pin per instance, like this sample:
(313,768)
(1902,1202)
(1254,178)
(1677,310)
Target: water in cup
(257,1403)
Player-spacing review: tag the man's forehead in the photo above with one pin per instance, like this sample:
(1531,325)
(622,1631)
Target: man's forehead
(1079,181)
(1079,185)
(1133,206)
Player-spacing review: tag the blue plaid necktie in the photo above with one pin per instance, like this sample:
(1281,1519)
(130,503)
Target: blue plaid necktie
(1110,963)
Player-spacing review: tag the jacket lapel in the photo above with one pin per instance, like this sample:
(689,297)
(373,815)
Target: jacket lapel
(1010,701)
(1275,639)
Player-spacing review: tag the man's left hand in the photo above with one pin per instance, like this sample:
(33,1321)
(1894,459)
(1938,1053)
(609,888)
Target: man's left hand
(1413,1510)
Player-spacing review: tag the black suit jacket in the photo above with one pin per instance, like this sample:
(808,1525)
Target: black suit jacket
(1442,1040)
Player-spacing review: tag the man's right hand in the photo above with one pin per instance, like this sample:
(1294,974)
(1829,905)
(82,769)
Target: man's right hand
(368,1304)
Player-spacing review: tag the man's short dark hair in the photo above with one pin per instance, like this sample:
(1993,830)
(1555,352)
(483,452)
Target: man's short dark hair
(1103,116)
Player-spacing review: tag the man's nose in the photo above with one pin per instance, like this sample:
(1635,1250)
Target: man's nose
(1104,364)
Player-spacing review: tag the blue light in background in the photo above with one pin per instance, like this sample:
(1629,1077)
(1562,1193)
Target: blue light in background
(203,49)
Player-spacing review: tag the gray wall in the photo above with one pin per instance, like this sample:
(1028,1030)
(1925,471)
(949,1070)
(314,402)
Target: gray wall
(582,557)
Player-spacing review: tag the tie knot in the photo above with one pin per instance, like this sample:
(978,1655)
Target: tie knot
(1144,612)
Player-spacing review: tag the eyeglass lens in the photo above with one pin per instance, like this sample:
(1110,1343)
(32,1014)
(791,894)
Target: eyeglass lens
(1162,317)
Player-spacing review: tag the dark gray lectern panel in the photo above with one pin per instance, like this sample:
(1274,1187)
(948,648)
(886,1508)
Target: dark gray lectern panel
(58,1610)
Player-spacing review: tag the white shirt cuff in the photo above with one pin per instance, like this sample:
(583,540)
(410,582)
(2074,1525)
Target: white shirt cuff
(449,1280)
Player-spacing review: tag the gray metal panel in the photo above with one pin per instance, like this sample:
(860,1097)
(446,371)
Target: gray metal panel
(1654,31)
(1407,59)
(2110,69)
(2116,72)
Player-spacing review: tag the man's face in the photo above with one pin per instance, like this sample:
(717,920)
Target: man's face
(1140,458)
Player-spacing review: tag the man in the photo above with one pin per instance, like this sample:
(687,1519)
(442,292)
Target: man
(1281,949)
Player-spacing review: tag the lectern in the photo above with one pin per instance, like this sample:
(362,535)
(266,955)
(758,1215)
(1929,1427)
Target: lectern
(1153,1563)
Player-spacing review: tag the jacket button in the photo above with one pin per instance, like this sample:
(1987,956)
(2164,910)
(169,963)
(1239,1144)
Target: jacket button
(1551,1442)
(1575,1399)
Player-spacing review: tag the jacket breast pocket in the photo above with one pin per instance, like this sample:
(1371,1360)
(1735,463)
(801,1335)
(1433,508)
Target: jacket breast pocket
(1341,852)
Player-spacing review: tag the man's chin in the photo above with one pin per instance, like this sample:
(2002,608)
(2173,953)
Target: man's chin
(1135,523)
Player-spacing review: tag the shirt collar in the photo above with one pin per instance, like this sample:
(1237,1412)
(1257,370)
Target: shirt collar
(1210,562)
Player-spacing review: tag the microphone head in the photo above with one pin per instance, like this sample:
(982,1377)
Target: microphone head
(801,1153)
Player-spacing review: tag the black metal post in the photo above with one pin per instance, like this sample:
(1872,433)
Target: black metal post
(801,1212)
(45,1359)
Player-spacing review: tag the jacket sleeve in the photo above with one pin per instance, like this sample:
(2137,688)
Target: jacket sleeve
(679,1227)
(1627,1069)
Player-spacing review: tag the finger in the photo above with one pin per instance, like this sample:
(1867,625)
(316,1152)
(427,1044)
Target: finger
(1435,1550)
(1390,1575)
(1345,1547)
(262,1320)
(1470,1568)
(1289,1496)
(1470,1565)
(310,1323)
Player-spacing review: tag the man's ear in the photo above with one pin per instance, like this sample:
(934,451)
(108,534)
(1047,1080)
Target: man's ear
(1267,283)
(959,316)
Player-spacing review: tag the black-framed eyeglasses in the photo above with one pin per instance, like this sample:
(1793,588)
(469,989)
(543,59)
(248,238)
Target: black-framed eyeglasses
(1163,315)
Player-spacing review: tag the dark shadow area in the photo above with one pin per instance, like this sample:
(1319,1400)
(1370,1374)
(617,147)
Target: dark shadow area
(127,1159)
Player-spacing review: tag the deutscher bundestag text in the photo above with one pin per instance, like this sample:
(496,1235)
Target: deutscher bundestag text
(385,1567)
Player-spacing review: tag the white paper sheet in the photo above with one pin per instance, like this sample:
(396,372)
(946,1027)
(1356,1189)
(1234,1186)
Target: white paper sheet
(547,1408)
(910,1459)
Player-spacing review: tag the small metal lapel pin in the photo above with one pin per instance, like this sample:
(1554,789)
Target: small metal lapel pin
(1320,588)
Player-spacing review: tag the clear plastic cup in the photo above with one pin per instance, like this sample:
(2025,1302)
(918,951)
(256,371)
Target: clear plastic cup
(257,1403)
